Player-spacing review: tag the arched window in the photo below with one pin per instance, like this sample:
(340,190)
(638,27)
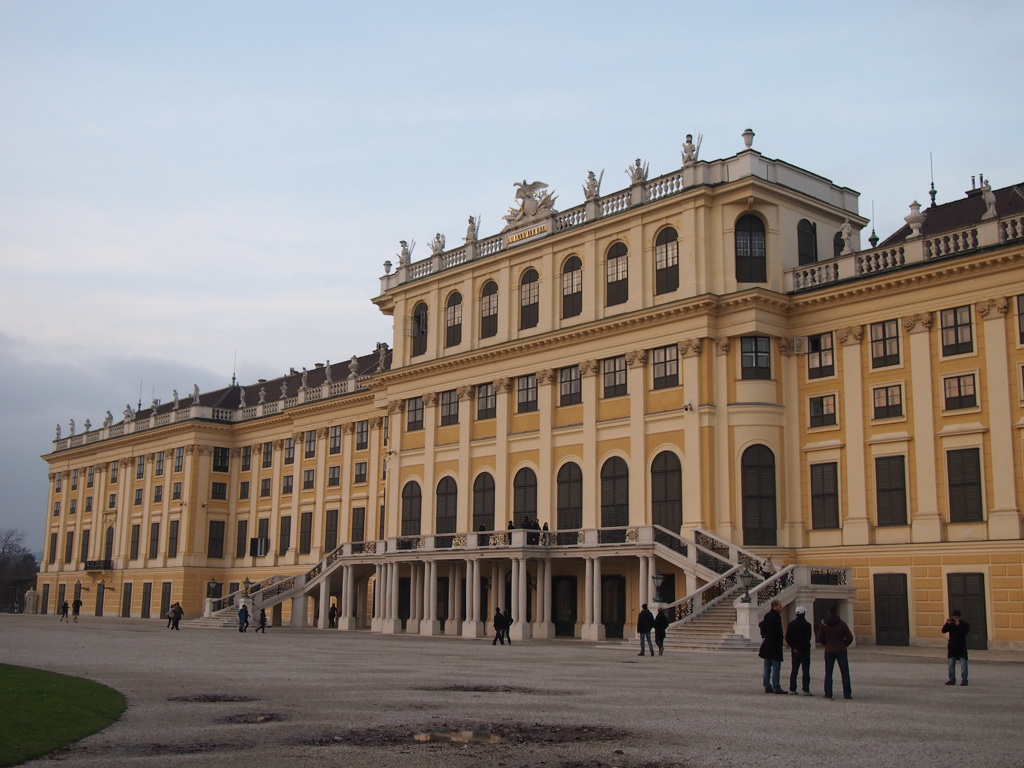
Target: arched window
(489,310)
(806,242)
(529,300)
(108,544)
(572,287)
(453,321)
(758,492)
(570,497)
(419,329)
(524,491)
(667,491)
(751,259)
(614,493)
(483,502)
(445,509)
(412,507)
(666,261)
(617,274)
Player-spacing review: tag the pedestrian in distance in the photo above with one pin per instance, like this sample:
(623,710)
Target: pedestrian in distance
(798,637)
(507,622)
(177,612)
(332,616)
(499,628)
(64,611)
(262,626)
(644,625)
(956,646)
(660,630)
(771,648)
(243,618)
(835,635)
(76,609)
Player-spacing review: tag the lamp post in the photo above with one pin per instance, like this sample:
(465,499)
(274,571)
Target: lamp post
(211,587)
(657,578)
(246,585)
(747,579)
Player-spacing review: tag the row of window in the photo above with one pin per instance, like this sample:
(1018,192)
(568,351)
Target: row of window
(108,544)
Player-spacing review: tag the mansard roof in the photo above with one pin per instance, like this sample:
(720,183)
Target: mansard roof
(963,213)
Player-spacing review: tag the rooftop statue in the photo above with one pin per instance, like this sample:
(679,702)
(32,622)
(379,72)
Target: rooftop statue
(284,390)
(637,173)
(353,365)
(58,433)
(71,428)
(533,202)
(195,394)
(241,398)
(263,394)
(175,393)
(87,425)
(305,378)
(472,228)
(847,234)
(405,255)
(990,200)
(108,419)
(327,372)
(691,150)
(437,244)
(129,415)
(592,189)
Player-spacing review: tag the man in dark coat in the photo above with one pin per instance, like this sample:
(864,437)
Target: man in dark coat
(798,638)
(660,630)
(956,647)
(499,628)
(835,635)
(644,625)
(771,648)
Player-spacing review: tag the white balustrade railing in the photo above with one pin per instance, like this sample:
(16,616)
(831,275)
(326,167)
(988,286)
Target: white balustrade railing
(571,218)
(616,203)
(664,186)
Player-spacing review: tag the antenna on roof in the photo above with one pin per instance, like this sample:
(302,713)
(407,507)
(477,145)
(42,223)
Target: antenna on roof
(140,395)
(234,367)
(931,169)
(874,238)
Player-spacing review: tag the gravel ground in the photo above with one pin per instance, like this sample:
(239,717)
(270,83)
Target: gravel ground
(304,697)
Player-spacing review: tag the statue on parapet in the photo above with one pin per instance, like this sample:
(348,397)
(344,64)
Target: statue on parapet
(108,419)
(533,202)
(847,234)
(592,189)
(637,173)
(71,428)
(263,395)
(472,228)
(241,397)
(437,244)
(195,394)
(353,366)
(691,150)
(174,393)
(990,200)
(305,378)
(327,372)
(58,433)
(405,254)
(129,414)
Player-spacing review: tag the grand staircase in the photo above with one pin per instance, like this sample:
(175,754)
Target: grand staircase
(713,630)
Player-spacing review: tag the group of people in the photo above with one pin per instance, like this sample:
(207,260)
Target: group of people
(646,622)
(76,609)
(502,622)
(243,619)
(174,615)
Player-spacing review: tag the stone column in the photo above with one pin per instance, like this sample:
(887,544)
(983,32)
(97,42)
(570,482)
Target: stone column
(391,624)
(430,625)
(347,616)
(856,526)
(324,605)
(636,386)
(501,478)
(472,626)
(546,386)
(643,579)
(693,482)
(926,523)
(589,381)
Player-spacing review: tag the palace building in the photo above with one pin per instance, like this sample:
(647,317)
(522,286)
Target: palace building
(634,400)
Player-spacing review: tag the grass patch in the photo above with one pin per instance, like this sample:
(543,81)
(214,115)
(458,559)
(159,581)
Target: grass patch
(43,711)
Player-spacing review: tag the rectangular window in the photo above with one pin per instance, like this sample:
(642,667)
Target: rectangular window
(489,314)
(617,288)
(888,401)
(113,471)
(358,523)
(138,497)
(176,492)
(264,487)
(960,392)
(526,391)
(221,459)
(309,451)
(58,482)
(74,479)
(331,530)
(360,472)
(529,303)
(52,557)
(334,446)
(90,477)
(615,376)
(957,334)
(267,450)
(159,463)
(885,343)
(453,324)
(243,490)
(215,542)
(172,539)
(570,386)
(572,289)
(334,476)
(241,538)
(219,491)
(362,435)
(486,401)
(289,450)
(140,467)
(56,509)
(158,494)
(824,496)
(84,552)
(88,503)
(133,548)
(73,507)
(414,414)
(287,484)
(1020,319)
(891,490)
(179,458)
(449,407)
(154,540)
(247,458)
(308,479)
(755,357)
(112,501)
(820,362)
(305,533)
(823,411)
(665,362)
(963,469)
(286,535)
(666,266)
(69,546)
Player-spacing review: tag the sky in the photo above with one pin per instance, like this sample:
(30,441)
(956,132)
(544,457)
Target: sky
(194,189)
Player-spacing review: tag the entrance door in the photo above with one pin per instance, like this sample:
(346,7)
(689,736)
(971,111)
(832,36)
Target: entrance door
(967,595)
(442,601)
(613,605)
(563,605)
(404,600)
(165,599)
(892,620)
(126,601)
(101,588)
(147,599)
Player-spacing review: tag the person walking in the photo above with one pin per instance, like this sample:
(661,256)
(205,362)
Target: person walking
(956,646)
(660,630)
(64,611)
(76,609)
(499,628)
(332,616)
(644,625)
(177,612)
(836,637)
(262,626)
(507,622)
(771,648)
(243,618)
(798,638)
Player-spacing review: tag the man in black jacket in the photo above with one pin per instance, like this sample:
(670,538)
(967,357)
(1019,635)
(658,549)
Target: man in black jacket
(771,648)
(798,638)
(644,625)
(956,647)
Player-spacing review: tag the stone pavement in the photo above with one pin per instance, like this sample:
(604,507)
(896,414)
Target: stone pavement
(305,697)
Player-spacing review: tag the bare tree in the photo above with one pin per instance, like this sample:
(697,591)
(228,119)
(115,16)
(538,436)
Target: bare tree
(18,568)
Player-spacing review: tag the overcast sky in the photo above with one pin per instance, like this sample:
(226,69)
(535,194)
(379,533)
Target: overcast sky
(194,186)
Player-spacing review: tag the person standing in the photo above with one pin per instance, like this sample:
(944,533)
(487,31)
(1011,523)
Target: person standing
(836,637)
(177,612)
(262,621)
(644,625)
(507,621)
(243,618)
(332,616)
(76,609)
(956,646)
(798,638)
(660,630)
(499,628)
(771,648)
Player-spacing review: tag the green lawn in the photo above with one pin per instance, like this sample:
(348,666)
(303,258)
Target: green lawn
(43,711)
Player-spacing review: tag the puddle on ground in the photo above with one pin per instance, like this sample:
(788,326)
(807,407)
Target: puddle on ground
(252,718)
(462,737)
(212,698)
